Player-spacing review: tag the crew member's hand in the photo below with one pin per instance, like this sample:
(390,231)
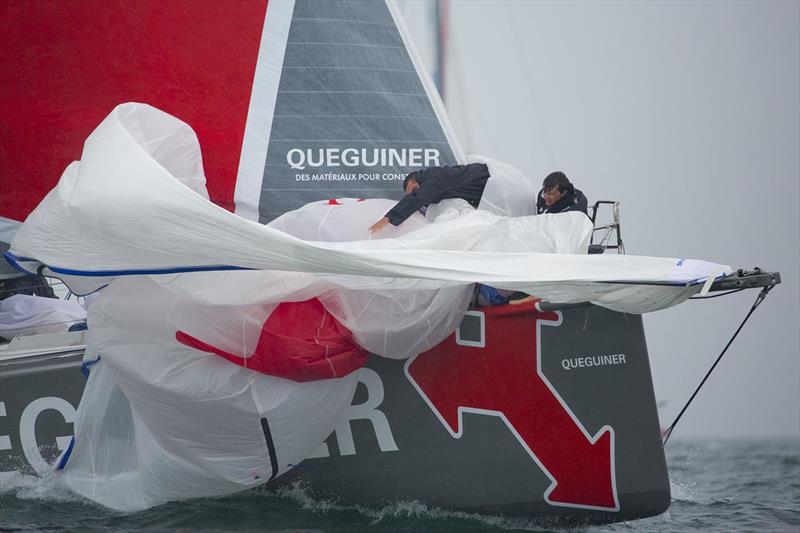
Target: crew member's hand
(379,225)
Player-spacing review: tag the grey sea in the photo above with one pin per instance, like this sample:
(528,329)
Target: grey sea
(716,486)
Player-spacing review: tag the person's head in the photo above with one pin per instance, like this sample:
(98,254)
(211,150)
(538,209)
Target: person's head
(410,184)
(554,187)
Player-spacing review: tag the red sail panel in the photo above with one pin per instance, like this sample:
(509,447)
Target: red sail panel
(66,65)
(300,341)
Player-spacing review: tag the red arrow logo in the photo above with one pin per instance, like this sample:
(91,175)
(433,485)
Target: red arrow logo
(505,379)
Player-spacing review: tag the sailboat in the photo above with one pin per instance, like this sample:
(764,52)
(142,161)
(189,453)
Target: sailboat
(543,410)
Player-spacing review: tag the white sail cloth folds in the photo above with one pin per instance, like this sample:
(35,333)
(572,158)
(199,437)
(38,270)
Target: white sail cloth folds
(131,205)
(159,421)
(513,195)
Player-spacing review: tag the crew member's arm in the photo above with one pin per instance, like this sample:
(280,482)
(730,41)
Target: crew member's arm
(429,191)
(379,225)
(410,204)
(400,212)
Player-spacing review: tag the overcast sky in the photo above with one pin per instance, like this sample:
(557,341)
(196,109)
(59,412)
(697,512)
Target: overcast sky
(689,114)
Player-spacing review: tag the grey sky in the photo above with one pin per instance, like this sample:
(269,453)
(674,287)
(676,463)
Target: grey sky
(688,113)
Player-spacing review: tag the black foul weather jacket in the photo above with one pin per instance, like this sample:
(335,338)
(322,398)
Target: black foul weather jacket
(573,200)
(440,183)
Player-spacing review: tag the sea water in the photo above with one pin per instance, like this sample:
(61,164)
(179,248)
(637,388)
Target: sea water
(716,486)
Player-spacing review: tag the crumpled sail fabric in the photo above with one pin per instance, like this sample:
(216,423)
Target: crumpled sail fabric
(173,408)
(22,314)
(210,429)
(131,205)
(162,421)
(513,195)
(300,341)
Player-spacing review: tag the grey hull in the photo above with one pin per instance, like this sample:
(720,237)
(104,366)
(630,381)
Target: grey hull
(398,447)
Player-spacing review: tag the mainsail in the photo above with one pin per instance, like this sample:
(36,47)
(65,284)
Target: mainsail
(69,64)
(339,108)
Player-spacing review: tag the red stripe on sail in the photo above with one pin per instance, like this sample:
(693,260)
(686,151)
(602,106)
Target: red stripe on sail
(66,65)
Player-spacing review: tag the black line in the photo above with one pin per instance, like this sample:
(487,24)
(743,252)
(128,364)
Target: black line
(759,298)
(273,457)
(717,295)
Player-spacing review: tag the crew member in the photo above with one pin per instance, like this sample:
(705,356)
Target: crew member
(432,185)
(558,195)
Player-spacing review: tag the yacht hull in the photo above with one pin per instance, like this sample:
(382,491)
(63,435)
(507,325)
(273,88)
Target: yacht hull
(503,435)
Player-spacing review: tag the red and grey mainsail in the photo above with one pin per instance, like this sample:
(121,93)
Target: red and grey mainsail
(292,100)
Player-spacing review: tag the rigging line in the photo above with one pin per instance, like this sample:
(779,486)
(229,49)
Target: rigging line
(716,295)
(759,299)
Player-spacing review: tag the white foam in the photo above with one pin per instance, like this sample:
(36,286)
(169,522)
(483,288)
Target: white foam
(691,492)
(51,487)
(299,493)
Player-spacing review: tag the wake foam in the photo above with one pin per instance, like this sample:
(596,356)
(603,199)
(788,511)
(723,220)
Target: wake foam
(690,492)
(51,487)
(299,493)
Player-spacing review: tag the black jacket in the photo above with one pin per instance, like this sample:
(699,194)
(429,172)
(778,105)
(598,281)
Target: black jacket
(439,183)
(573,200)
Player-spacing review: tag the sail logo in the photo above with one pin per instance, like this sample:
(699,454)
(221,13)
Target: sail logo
(589,361)
(300,159)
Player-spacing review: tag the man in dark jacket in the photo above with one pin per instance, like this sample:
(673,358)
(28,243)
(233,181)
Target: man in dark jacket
(558,195)
(432,185)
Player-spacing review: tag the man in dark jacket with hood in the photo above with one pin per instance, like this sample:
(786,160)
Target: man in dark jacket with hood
(432,185)
(558,195)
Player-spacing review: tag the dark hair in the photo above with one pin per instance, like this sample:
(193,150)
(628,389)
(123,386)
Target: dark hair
(411,176)
(557,180)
